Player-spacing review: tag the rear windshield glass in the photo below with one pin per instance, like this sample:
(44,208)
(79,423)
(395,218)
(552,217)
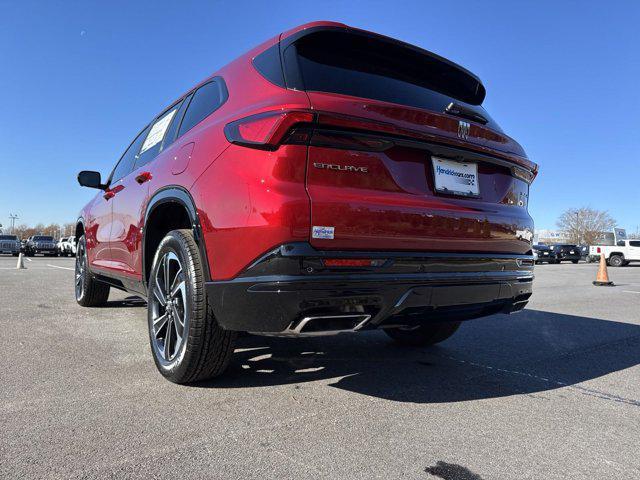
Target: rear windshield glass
(351,64)
(8,237)
(43,238)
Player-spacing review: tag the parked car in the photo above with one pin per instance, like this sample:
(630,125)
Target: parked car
(620,255)
(584,252)
(10,244)
(43,244)
(330,180)
(66,246)
(542,254)
(59,245)
(566,252)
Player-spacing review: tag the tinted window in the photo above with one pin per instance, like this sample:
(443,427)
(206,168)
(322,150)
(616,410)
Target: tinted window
(8,237)
(204,102)
(269,65)
(172,132)
(153,141)
(42,238)
(360,66)
(634,243)
(125,165)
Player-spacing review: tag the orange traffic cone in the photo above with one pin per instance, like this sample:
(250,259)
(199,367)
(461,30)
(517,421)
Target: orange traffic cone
(602,279)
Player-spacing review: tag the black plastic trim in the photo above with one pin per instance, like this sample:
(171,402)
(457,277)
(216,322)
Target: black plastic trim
(291,281)
(179,195)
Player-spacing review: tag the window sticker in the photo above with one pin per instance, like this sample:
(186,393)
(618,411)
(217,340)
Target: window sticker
(156,134)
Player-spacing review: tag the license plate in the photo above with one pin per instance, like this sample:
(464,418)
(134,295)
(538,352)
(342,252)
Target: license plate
(546,253)
(572,252)
(455,178)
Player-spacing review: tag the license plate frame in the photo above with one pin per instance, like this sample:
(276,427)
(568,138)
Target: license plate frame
(450,177)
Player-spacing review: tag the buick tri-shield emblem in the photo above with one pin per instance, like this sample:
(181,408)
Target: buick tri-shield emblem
(463,129)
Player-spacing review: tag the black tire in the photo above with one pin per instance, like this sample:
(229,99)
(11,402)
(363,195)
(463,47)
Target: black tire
(575,261)
(89,292)
(423,335)
(616,260)
(204,349)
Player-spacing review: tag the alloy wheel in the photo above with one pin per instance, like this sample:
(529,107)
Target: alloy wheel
(168,301)
(80,272)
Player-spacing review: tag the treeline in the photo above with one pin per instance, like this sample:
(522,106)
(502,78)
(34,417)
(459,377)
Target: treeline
(55,230)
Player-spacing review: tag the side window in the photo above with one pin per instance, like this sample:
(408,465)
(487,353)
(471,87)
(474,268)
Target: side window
(125,165)
(153,142)
(172,131)
(204,102)
(634,243)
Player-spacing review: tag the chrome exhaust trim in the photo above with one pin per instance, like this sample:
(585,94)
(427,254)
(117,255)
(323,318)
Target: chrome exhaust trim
(297,329)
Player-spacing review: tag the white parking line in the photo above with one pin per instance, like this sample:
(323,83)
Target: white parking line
(630,291)
(63,268)
(27,259)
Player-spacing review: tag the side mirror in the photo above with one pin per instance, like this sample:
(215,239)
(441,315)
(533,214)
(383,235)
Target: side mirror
(87,178)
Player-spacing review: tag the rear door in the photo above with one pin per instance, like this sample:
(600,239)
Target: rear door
(130,204)
(388,169)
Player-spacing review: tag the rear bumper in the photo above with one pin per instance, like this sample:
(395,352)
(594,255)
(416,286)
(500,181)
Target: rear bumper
(291,284)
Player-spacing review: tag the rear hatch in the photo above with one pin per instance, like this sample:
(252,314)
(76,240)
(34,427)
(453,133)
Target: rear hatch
(402,156)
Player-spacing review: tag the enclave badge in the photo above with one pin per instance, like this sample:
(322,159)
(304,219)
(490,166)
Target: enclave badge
(342,168)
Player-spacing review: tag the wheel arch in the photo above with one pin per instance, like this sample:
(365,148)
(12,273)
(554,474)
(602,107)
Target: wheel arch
(170,208)
(79,231)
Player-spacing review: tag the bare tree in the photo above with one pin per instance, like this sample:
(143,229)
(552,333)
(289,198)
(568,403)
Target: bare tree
(585,225)
(68,229)
(634,235)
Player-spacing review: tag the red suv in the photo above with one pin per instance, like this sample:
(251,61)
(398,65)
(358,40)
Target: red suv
(330,180)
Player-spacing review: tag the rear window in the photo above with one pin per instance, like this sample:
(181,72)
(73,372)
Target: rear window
(43,238)
(362,66)
(8,237)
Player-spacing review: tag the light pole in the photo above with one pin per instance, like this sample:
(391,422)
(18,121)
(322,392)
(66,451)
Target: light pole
(13,220)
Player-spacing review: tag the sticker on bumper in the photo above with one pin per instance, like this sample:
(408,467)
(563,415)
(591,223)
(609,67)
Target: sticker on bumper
(322,232)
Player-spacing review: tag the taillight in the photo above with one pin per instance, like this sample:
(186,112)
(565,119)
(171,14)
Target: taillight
(523,174)
(349,141)
(266,130)
(598,250)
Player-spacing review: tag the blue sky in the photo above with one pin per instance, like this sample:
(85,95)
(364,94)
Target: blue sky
(78,80)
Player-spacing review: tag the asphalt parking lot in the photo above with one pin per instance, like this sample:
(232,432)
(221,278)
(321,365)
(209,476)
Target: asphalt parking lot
(553,392)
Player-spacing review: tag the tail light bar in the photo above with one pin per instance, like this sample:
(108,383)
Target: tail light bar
(265,131)
(269,130)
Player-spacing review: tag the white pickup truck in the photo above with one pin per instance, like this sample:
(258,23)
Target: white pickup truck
(620,254)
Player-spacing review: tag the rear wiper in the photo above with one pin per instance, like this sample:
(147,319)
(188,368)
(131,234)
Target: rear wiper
(464,112)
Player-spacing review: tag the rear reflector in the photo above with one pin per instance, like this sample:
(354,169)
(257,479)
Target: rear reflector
(266,130)
(353,262)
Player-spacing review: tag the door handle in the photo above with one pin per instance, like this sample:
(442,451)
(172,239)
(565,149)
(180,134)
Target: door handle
(110,193)
(144,177)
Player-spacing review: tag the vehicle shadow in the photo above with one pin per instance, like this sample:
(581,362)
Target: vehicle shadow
(497,356)
(128,302)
